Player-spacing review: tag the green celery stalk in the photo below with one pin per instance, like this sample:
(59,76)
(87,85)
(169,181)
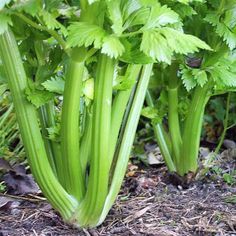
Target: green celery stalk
(173,114)
(70,166)
(92,205)
(118,109)
(161,138)
(30,131)
(127,139)
(192,131)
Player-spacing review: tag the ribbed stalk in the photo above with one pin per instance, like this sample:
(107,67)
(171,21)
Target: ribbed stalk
(127,139)
(173,121)
(70,166)
(192,131)
(118,109)
(91,208)
(30,131)
(161,138)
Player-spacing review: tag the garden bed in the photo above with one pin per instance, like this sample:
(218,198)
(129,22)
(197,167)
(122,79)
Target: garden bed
(148,204)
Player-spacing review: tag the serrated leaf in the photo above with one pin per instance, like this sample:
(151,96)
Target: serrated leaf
(224,28)
(188,79)
(155,45)
(200,76)
(124,83)
(129,7)
(223,77)
(138,17)
(135,56)
(43,73)
(184,10)
(85,34)
(161,16)
(112,47)
(183,43)
(221,66)
(38,97)
(31,7)
(150,112)
(54,85)
(132,53)
(115,16)
(5,20)
(51,22)
(50,4)
(54,133)
(160,44)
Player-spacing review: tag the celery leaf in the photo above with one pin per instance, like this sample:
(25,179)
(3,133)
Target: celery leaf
(54,85)
(85,34)
(112,47)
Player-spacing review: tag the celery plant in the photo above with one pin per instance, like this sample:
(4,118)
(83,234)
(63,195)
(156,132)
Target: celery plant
(99,56)
(185,85)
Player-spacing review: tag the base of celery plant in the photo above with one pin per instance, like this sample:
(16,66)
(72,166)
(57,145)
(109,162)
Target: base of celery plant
(183,181)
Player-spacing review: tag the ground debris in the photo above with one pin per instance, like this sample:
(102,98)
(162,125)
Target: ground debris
(147,205)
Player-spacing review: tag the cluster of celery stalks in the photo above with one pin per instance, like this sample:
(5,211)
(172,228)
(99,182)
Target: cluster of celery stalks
(81,175)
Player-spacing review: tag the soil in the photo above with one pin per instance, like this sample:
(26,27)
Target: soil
(148,204)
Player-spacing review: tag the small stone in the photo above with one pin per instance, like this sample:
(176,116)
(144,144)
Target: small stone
(229,144)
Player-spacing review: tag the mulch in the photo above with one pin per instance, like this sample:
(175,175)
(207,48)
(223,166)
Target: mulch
(148,204)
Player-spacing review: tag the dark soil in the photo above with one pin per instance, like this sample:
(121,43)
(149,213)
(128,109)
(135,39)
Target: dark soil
(148,204)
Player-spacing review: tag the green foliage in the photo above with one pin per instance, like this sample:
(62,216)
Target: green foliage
(190,80)
(38,97)
(85,34)
(166,41)
(54,85)
(224,25)
(227,177)
(100,59)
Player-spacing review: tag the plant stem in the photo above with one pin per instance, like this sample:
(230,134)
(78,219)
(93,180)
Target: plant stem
(123,151)
(192,131)
(161,138)
(173,114)
(53,33)
(91,208)
(70,166)
(29,127)
(119,107)
(225,124)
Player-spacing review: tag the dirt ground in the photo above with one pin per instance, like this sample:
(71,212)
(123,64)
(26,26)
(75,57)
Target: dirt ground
(148,204)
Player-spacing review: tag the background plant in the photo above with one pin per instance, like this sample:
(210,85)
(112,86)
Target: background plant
(11,147)
(183,88)
(99,56)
